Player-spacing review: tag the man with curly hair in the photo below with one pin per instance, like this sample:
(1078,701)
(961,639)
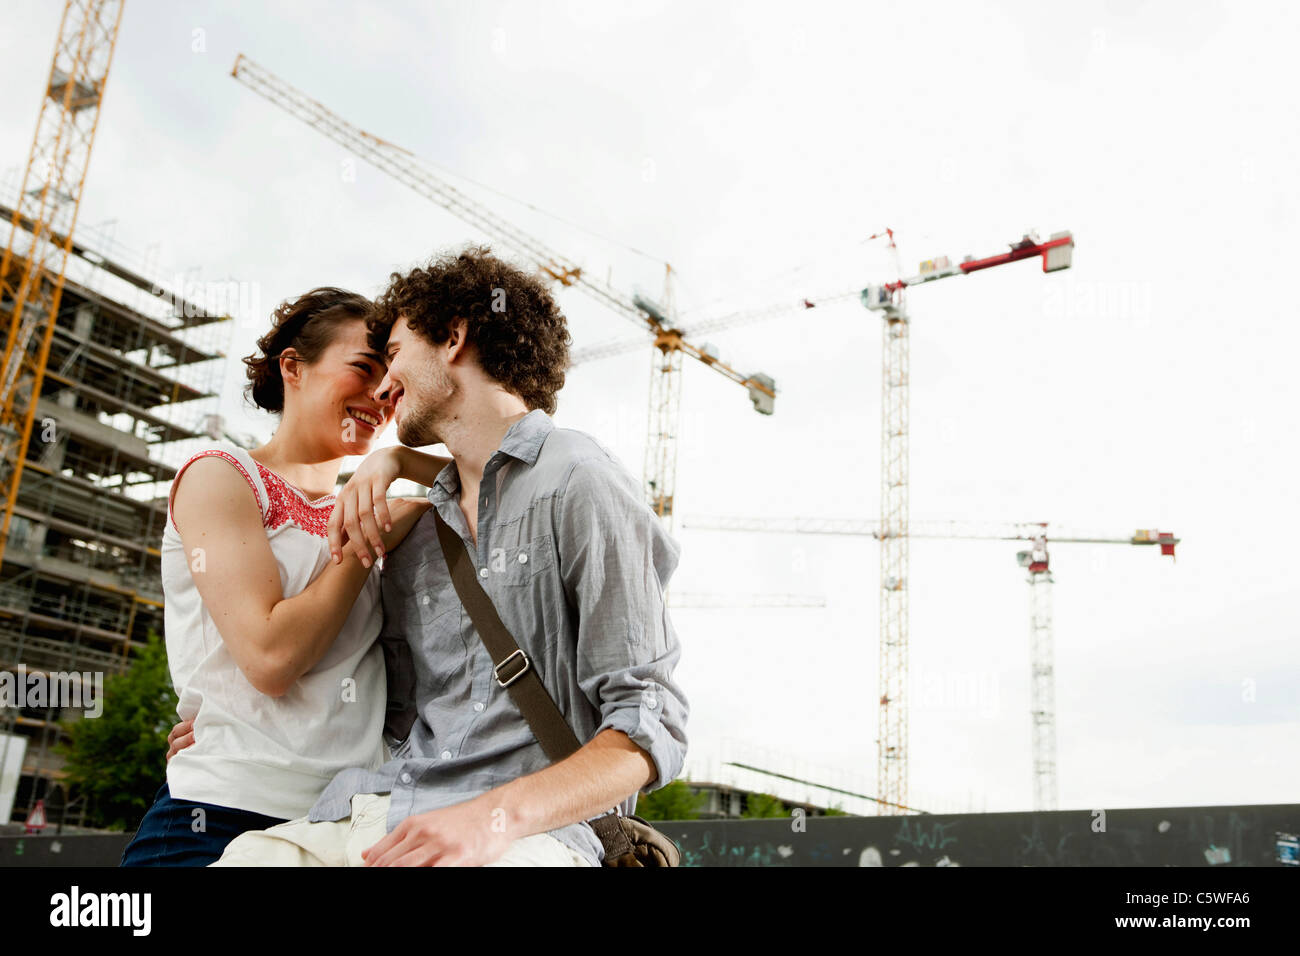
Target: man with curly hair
(573,559)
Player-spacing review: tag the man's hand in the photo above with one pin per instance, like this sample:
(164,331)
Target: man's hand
(181,736)
(473,833)
(601,773)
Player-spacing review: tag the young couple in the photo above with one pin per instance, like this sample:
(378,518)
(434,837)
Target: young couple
(339,711)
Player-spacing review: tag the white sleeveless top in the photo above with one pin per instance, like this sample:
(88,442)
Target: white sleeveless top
(271,755)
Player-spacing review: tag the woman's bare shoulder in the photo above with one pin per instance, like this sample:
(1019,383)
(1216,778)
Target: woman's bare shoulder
(215,488)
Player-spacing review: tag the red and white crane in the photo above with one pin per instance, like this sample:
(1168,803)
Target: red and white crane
(889,300)
(1042,697)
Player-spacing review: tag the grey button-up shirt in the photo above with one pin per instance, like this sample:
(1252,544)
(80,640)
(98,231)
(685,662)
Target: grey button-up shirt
(576,563)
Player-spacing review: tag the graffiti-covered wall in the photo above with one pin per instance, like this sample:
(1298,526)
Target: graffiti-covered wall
(1180,836)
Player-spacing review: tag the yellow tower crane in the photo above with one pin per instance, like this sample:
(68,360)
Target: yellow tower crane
(32,273)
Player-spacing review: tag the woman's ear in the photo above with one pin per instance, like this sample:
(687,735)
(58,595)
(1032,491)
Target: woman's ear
(290,367)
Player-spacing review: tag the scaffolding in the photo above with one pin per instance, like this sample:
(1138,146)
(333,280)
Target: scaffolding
(130,390)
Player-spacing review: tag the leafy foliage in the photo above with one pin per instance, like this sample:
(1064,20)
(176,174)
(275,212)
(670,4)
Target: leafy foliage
(760,806)
(119,759)
(674,802)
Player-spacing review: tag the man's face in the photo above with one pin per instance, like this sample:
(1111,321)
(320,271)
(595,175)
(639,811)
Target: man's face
(418,385)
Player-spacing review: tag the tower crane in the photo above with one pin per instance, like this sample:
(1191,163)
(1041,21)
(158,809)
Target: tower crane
(731,320)
(1041,655)
(32,278)
(889,300)
(668,342)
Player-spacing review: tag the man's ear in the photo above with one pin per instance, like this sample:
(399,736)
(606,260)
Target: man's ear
(456,339)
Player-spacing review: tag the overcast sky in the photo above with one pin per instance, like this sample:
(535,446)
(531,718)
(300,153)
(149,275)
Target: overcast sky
(755,147)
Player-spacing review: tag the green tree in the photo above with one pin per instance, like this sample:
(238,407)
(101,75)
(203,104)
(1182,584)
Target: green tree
(836,811)
(761,806)
(674,802)
(119,759)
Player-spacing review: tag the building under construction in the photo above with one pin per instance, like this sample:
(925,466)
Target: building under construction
(129,387)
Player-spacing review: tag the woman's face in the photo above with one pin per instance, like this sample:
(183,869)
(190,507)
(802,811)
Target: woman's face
(336,392)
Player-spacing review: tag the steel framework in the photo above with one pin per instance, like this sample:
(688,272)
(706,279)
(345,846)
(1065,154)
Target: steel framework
(31,279)
(888,299)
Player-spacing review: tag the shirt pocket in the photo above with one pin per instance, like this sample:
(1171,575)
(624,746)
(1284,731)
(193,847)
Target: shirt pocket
(420,589)
(518,565)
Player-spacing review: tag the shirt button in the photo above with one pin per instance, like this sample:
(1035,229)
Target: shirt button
(651,702)
(482,572)
(523,558)
(446,755)
(406,778)
(425,600)
(478,705)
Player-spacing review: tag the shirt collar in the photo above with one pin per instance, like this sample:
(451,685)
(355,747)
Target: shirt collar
(523,441)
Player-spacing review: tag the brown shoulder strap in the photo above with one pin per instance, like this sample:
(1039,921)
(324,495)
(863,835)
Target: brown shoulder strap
(515,672)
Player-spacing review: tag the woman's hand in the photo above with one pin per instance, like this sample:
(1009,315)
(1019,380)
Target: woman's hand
(403,513)
(181,736)
(361,508)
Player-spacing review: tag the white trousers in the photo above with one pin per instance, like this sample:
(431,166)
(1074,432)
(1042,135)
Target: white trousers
(340,842)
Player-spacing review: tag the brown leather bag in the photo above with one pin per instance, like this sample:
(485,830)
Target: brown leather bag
(627,840)
(631,841)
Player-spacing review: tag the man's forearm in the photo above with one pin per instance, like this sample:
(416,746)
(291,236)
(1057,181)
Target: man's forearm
(604,772)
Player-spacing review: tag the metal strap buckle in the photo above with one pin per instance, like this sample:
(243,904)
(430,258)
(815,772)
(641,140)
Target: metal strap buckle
(496,671)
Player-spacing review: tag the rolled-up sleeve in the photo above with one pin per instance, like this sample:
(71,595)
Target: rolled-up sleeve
(615,560)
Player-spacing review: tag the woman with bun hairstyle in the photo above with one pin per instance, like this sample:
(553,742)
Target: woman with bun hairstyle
(272,645)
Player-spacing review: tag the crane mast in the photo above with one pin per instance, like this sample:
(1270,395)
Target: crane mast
(1042,673)
(32,278)
(891,708)
(888,299)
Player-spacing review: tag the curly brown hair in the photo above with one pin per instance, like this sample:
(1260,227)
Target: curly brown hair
(306,324)
(518,333)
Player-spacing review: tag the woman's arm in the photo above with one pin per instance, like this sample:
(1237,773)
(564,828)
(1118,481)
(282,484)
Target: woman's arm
(361,509)
(273,639)
(418,466)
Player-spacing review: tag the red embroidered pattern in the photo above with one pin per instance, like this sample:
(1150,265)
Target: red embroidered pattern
(287,504)
(211,451)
